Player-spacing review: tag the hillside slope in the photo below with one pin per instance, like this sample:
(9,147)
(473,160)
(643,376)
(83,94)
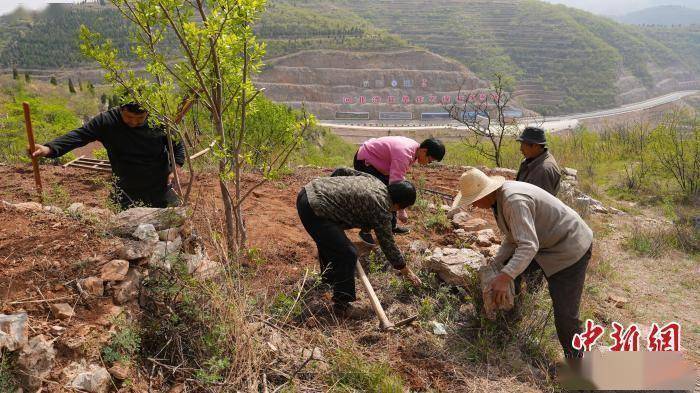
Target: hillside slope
(563,60)
(666,15)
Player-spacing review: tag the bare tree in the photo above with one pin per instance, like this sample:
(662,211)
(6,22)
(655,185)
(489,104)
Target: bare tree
(483,113)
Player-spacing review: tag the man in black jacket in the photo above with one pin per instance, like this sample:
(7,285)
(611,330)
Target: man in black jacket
(138,154)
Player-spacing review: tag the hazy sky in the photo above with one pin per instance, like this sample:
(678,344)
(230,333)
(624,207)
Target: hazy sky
(617,7)
(605,7)
(9,5)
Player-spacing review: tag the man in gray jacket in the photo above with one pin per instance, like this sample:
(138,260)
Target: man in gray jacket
(539,166)
(535,227)
(540,169)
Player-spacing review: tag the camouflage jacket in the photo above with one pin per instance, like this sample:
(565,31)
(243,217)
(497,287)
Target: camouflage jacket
(355,199)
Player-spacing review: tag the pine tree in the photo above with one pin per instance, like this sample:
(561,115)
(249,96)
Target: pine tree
(15,73)
(71,88)
(53,81)
(27,78)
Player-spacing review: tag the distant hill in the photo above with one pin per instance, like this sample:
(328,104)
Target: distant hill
(563,59)
(665,15)
(622,7)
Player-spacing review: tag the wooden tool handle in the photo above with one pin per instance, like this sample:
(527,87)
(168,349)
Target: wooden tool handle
(30,138)
(384,323)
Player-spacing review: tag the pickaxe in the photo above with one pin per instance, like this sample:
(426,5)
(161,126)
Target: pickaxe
(384,323)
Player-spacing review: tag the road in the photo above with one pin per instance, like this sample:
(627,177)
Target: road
(552,124)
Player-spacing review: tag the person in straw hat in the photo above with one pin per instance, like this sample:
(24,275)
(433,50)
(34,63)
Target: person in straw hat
(535,225)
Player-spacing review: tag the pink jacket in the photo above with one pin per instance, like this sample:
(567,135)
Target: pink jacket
(390,155)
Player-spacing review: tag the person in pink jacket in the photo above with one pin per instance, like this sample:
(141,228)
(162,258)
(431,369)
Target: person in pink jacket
(388,159)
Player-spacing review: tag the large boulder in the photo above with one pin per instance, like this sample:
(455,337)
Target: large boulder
(35,362)
(126,222)
(13,331)
(454,265)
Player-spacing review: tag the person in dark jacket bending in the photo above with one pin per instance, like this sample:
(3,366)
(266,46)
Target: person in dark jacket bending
(348,199)
(138,154)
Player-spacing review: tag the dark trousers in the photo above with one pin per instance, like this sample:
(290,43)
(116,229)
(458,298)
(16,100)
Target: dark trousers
(336,254)
(565,289)
(361,165)
(127,199)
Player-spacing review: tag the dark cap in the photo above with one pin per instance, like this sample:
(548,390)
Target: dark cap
(534,135)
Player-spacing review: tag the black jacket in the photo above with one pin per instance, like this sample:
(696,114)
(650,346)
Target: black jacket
(138,156)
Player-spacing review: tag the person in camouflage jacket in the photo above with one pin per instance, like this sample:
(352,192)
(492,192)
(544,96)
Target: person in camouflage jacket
(327,206)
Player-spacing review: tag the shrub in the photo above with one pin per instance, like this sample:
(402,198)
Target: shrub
(350,373)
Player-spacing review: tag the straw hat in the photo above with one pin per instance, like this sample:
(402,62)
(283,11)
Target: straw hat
(474,185)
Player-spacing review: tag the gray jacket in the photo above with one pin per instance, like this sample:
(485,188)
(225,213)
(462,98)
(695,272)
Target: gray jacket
(541,171)
(537,225)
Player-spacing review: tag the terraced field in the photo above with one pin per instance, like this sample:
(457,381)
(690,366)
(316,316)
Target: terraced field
(562,60)
(329,81)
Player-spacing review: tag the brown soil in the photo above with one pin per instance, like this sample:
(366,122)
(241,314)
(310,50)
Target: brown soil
(42,255)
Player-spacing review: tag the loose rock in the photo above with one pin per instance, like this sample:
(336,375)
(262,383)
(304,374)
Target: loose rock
(618,301)
(126,222)
(13,331)
(53,209)
(485,237)
(23,206)
(451,264)
(169,235)
(162,252)
(505,172)
(115,270)
(62,310)
(119,371)
(460,219)
(93,286)
(35,362)
(132,250)
(487,274)
(491,251)
(438,328)
(75,209)
(94,379)
(418,246)
(128,290)
(146,232)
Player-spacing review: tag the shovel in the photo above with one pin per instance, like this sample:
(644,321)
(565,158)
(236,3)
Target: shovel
(384,323)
